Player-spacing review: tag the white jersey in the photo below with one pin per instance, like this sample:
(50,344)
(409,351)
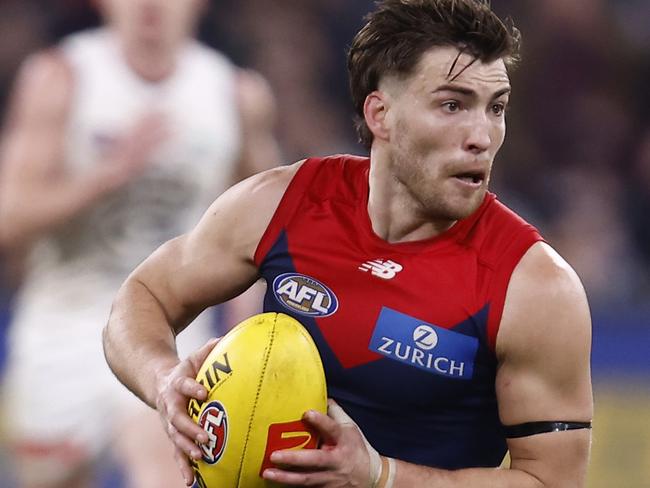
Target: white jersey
(97,250)
(74,273)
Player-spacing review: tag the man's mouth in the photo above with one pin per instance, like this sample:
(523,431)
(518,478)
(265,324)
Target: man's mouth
(471,177)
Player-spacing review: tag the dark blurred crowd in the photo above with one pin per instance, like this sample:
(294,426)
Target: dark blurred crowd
(577,158)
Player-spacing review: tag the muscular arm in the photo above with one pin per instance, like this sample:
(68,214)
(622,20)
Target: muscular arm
(211,264)
(38,192)
(543,351)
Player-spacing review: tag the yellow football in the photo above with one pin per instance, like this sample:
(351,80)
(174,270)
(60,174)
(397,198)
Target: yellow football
(261,377)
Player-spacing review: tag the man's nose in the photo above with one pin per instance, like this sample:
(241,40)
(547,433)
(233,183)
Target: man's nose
(478,137)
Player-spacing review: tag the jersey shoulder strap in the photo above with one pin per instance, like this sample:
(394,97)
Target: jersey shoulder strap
(289,202)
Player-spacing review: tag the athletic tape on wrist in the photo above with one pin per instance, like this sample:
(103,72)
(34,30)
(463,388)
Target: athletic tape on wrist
(376,467)
(392,471)
(381,481)
(388,470)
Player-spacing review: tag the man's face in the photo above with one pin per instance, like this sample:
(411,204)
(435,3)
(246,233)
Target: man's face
(445,127)
(159,22)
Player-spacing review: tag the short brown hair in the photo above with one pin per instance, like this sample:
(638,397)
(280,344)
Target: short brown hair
(399,32)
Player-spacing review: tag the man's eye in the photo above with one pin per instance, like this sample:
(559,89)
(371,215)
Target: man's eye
(451,106)
(498,109)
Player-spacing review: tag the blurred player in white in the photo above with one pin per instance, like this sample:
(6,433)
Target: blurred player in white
(117,140)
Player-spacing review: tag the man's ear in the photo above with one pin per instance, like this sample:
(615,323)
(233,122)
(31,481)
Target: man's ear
(375,110)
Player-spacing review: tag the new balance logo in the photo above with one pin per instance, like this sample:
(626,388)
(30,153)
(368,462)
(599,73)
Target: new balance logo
(384,269)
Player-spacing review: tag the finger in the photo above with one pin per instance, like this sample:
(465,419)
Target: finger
(328,429)
(184,466)
(297,479)
(314,459)
(182,422)
(185,444)
(190,388)
(335,411)
(198,357)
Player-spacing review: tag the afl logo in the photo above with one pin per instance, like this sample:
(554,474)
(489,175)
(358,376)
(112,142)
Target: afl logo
(304,295)
(214,421)
(425,337)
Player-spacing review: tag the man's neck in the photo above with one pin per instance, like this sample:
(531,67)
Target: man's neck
(396,216)
(153,63)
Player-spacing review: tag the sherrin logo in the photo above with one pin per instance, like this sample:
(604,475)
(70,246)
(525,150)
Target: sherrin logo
(304,295)
(214,421)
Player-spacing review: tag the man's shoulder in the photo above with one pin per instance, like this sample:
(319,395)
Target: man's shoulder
(243,212)
(272,181)
(290,183)
(91,40)
(43,85)
(208,55)
(545,268)
(546,295)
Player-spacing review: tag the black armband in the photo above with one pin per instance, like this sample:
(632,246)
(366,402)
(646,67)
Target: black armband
(533,428)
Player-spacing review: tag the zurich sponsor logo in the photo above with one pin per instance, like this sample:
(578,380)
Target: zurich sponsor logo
(424,346)
(425,337)
(304,295)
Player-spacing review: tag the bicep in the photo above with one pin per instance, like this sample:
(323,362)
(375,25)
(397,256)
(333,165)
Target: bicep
(199,269)
(543,348)
(214,262)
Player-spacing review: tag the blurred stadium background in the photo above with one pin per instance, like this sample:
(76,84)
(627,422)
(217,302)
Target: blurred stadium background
(576,162)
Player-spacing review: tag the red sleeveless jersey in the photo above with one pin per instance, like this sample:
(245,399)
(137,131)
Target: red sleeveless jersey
(406,331)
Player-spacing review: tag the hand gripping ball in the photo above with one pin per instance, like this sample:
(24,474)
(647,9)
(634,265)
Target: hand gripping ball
(261,377)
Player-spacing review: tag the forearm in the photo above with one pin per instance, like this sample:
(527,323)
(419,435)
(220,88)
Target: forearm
(409,475)
(139,343)
(550,460)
